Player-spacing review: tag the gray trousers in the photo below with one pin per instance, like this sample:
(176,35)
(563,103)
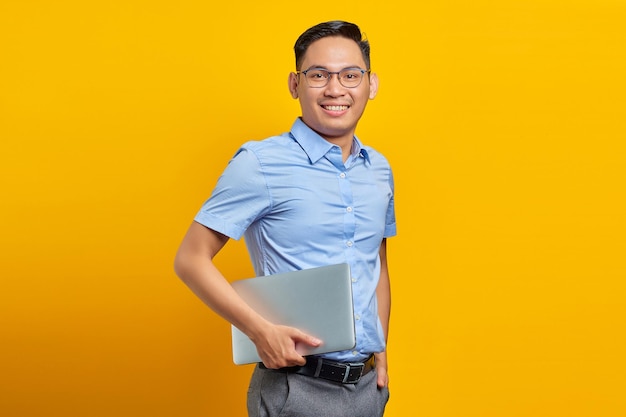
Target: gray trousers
(278,394)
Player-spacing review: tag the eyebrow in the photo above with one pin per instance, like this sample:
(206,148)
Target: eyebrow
(321,67)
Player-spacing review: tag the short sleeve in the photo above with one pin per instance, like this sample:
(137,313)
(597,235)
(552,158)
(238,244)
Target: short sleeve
(390,220)
(239,198)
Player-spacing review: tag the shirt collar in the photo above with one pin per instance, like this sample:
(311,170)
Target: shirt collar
(316,146)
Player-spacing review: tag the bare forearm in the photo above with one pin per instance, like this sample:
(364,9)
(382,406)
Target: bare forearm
(194,266)
(383,291)
(211,287)
(383,296)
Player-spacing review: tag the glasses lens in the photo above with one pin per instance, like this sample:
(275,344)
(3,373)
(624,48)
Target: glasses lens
(317,77)
(351,77)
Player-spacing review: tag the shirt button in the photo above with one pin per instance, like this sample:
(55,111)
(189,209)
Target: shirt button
(357,317)
(354,353)
(349,244)
(349,209)
(342,175)
(353,279)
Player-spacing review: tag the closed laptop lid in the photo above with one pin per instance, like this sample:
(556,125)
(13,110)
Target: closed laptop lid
(317,301)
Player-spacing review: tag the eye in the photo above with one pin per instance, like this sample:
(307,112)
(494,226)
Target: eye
(317,75)
(351,75)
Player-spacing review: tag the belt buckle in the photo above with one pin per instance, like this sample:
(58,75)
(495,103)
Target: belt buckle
(353,373)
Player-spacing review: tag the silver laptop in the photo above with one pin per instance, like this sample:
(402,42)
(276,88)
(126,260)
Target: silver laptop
(317,301)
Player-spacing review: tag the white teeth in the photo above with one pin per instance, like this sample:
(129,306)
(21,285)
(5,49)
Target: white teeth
(336,108)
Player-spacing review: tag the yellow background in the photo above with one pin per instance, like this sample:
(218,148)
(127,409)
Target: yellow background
(505,124)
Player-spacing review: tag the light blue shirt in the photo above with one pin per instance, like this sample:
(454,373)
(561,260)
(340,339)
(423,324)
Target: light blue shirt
(300,206)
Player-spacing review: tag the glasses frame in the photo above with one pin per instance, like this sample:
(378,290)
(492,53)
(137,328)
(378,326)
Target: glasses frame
(330,75)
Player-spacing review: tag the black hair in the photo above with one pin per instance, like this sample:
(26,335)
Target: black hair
(334,28)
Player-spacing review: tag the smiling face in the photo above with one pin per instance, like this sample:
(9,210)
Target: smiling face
(333,111)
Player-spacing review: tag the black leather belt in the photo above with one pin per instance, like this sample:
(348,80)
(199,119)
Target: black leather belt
(344,372)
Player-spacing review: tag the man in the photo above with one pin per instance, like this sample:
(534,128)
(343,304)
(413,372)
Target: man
(312,197)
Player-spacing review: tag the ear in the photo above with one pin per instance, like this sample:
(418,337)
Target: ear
(293,84)
(373,85)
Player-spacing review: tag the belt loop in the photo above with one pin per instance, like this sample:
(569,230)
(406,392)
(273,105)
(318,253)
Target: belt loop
(320,361)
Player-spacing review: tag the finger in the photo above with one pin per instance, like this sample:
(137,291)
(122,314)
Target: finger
(282,360)
(382,378)
(299,336)
(300,361)
(291,358)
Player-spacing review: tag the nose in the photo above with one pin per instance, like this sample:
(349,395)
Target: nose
(334,87)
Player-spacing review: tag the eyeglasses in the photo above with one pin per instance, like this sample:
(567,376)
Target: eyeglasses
(348,77)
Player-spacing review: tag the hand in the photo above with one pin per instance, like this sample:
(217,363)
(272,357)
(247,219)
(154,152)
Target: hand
(277,346)
(381,370)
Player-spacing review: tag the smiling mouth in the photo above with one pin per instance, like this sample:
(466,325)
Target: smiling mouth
(336,108)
